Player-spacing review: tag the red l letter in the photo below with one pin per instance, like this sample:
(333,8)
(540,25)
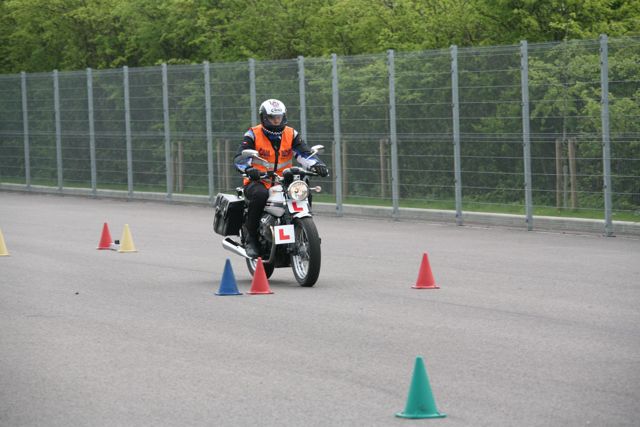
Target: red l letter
(282,235)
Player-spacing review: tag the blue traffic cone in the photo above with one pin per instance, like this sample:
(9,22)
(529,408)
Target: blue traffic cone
(228,284)
(420,403)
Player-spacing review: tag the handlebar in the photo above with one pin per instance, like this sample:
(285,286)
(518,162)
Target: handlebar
(279,178)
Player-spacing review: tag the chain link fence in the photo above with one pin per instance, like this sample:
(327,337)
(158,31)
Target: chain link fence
(535,129)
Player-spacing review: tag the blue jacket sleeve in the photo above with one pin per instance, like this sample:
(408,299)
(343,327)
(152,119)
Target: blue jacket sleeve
(248,143)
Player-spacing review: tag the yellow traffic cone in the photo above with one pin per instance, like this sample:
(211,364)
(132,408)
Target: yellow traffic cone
(126,241)
(3,246)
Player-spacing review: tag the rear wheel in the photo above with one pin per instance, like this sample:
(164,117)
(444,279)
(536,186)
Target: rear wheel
(253,263)
(305,260)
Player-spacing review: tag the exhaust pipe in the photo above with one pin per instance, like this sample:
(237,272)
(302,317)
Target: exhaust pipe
(229,244)
(232,246)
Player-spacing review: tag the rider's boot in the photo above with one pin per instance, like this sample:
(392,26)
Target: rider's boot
(252,247)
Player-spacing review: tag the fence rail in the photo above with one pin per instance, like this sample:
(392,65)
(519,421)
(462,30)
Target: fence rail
(534,129)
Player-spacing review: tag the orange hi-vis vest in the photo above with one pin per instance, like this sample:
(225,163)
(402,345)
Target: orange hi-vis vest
(273,160)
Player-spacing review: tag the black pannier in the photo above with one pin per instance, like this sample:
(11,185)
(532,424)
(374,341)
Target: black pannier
(227,218)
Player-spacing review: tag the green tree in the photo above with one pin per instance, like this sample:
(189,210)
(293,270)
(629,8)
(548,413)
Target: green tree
(40,35)
(508,21)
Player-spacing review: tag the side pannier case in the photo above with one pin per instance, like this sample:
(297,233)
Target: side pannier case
(227,218)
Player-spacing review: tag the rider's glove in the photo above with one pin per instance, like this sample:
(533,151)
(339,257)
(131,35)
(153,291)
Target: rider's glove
(252,173)
(320,169)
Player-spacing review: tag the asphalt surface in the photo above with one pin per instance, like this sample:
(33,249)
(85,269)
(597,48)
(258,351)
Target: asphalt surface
(527,329)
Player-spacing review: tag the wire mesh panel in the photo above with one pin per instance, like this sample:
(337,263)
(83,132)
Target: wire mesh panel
(624,110)
(279,79)
(231,117)
(74,127)
(491,128)
(424,121)
(565,122)
(12,166)
(147,129)
(364,120)
(170,151)
(188,134)
(42,129)
(318,98)
(109,123)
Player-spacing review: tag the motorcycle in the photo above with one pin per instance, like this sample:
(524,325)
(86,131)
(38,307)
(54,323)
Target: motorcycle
(287,235)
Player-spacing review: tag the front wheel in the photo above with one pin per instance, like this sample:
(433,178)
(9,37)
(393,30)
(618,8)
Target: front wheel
(305,259)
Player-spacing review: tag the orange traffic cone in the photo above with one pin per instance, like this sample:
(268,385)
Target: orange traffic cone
(106,242)
(259,284)
(425,277)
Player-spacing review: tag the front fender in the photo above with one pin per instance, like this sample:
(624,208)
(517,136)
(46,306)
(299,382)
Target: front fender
(302,215)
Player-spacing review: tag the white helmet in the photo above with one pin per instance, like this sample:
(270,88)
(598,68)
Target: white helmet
(273,108)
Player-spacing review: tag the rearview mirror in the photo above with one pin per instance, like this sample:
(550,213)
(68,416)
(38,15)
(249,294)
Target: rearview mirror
(317,149)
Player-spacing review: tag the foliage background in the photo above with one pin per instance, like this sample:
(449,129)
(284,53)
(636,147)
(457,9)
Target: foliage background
(38,36)
(42,35)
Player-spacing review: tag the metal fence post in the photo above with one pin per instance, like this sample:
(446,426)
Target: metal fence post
(526,137)
(127,130)
(25,130)
(303,99)
(167,131)
(455,107)
(252,91)
(92,134)
(207,109)
(56,107)
(606,141)
(393,135)
(337,150)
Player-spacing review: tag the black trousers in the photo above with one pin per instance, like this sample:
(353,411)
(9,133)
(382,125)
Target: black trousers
(256,195)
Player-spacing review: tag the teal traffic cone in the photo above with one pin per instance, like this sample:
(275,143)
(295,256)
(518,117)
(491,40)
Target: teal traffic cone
(228,284)
(420,403)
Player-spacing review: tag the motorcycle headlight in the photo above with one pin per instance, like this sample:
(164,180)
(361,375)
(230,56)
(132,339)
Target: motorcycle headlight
(298,190)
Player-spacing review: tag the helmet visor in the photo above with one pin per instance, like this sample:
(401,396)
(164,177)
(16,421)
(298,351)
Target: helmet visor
(275,119)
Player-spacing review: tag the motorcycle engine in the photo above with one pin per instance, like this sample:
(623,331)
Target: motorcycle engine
(266,222)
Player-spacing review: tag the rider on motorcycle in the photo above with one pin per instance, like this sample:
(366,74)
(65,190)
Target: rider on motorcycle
(277,144)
